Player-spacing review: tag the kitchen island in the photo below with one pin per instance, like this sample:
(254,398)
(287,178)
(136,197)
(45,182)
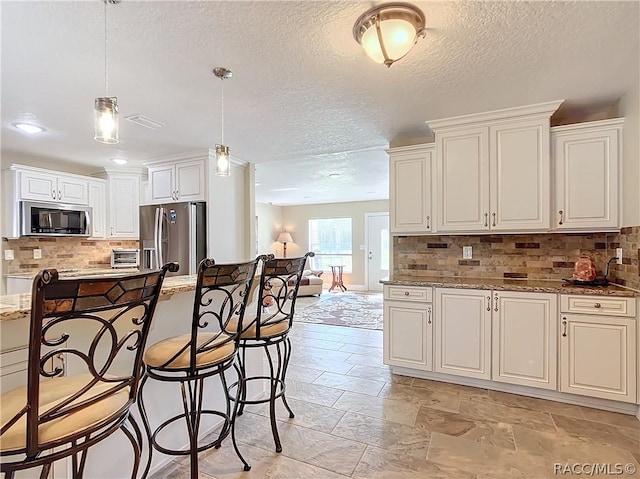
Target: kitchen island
(546,339)
(113,457)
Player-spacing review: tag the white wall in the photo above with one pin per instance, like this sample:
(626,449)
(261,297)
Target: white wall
(296,221)
(269,226)
(629,107)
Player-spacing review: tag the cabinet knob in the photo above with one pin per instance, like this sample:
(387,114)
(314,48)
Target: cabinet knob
(406,293)
(597,305)
(561,217)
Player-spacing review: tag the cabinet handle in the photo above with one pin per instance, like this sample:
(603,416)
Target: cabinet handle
(53,194)
(494,219)
(406,293)
(495,306)
(428,222)
(428,315)
(564,327)
(597,305)
(112,231)
(561,217)
(59,195)
(488,303)
(486,219)
(177,195)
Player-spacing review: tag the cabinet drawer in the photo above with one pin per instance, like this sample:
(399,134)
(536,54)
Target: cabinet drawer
(408,293)
(598,305)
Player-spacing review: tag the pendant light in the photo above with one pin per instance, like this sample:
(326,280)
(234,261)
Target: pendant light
(223,161)
(106,108)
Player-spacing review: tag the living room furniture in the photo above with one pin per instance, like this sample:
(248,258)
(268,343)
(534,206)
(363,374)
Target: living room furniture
(221,297)
(279,284)
(311,283)
(59,415)
(336,271)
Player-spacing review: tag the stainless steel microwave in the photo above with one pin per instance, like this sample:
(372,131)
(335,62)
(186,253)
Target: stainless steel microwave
(53,219)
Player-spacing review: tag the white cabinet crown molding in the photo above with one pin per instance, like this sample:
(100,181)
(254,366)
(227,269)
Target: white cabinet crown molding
(538,110)
(411,148)
(589,125)
(35,169)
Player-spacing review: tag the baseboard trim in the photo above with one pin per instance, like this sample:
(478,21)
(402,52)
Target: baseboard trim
(597,403)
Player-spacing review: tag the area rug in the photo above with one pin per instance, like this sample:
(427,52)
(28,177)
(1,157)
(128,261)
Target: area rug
(356,310)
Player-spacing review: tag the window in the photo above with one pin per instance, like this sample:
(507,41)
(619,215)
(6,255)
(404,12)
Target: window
(330,239)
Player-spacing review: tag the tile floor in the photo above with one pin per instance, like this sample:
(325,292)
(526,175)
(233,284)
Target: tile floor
(355,419)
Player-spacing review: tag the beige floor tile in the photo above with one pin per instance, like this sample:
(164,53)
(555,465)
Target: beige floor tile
(516,400)
(379,374)
(442,400)
(622,437)
(462,391)
(313,416)
(483,410)
(350,383)
(373,341)
(316,343)
(361,349)
(313,393)
(301,373)
(322,363)
(379,463)
(305,335)
(400,412)
(265,464)
(365,359)
(563,449)
(485,460)
(485,431)
(312,447)
(317,353)
(178,470)
(384,434)
(608,417)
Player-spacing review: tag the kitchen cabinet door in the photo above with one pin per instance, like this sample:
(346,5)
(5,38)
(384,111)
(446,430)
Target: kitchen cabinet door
(162,184)
(190,181)
(124,203)
(598,356)
(463,332)
(587,160)
(524,327)
(98,201)
(73,191)
(408,335)
(462,179)
(519,175)
(410,190)
(38,186)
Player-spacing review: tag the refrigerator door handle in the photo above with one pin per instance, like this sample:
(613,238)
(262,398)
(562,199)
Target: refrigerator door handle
(156,239)
(193,266)
(160,227)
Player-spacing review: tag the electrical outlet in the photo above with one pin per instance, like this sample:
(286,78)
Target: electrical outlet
(467,252)
(37,253)
(8,255)
(619,255)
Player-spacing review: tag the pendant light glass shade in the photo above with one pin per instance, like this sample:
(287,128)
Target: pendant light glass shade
(106,120)
(388,32)
(223,163)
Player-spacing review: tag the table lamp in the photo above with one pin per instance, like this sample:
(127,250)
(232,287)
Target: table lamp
(285,238)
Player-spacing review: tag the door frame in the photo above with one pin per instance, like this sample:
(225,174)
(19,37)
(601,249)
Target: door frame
(367,217)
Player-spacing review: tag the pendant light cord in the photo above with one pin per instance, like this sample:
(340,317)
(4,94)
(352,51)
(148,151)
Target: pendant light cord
(222,108)
(106,60)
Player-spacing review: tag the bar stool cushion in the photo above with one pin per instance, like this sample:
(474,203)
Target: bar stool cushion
(53,392)
(221,348)
(275,327)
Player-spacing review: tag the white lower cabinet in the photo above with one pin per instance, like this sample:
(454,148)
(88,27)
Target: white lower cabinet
(598,352)
(408,328)
(463,332)
(524,338)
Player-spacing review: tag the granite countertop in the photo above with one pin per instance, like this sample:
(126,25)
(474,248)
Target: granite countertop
(76,273)
(538,286)
(16,306)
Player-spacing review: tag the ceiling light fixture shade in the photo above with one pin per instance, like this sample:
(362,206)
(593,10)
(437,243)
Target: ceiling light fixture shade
(105,110)
(389,31)
(223,160)
(28,128)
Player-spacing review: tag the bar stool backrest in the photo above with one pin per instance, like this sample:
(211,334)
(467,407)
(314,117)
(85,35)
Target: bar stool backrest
(279,285)
(96,327)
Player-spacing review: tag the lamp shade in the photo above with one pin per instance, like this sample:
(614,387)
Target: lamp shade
(223,163)
(284,237)
(388,32)
(106,120)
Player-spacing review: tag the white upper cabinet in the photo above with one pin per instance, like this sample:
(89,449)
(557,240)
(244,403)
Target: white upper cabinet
(181,181)
(98,201)
(587,157)
(410,189)
(493,170)
(124,202)
(52,187)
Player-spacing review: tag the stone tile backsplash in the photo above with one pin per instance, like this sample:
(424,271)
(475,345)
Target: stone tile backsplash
(61,253)
(523,256)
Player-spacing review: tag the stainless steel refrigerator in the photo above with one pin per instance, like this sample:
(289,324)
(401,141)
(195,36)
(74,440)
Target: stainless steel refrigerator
(173,232)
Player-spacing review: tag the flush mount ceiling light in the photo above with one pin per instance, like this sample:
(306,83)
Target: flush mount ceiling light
(223,162)
(387,32)
(28,128)
(119,161)
(106,108)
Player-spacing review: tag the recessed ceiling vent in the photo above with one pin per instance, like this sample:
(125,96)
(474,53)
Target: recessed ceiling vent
(145,121)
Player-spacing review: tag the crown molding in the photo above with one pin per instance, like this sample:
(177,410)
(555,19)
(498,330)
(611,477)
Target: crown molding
(610,123)
(201,154)
(411,148)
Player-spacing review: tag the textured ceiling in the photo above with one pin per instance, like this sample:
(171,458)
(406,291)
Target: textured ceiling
(304,101)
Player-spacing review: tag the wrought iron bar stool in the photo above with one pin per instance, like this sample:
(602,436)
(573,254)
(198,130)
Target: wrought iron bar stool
(71,413)
(220,301)
(279,283)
